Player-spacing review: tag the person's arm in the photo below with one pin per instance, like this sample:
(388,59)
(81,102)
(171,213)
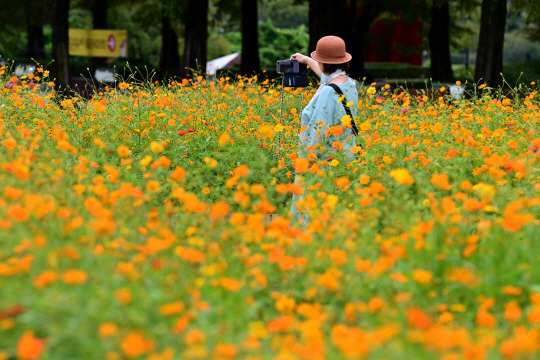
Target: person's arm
(313,64)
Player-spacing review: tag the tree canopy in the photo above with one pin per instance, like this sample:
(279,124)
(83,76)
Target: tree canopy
(175,34)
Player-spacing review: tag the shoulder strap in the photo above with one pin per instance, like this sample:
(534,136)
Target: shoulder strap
(347,110)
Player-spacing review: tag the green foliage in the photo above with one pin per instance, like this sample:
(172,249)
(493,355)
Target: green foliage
(523,72)
(396,70)
(284,14)
(531,11)
(218,46)
(274,44)
(80,18)
(143,23)
(464,26)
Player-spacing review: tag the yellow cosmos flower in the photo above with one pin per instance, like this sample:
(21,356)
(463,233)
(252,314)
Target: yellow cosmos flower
(278,128)
(402,176)
(210,162)
(223,139)
(156,147)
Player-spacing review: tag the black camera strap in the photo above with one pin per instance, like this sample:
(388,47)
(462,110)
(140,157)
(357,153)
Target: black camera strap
(347,110)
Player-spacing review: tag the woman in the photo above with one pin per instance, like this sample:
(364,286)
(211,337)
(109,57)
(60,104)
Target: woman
(323,134)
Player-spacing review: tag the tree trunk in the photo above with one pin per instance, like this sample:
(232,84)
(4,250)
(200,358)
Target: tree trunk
(196,36)
(489,58)
(60,43)
(170,52)
(250,38)
(35,47)
(439,43)
(344,18)
(326,18)
(99,14)
(99,21)
(360,20)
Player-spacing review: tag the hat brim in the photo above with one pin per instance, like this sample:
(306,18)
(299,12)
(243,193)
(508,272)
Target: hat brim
(331,60)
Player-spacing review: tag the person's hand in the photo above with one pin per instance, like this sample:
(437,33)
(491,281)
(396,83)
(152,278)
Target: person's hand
(302,59)
(313,65)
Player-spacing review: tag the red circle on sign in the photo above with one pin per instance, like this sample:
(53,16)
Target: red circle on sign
(111,43)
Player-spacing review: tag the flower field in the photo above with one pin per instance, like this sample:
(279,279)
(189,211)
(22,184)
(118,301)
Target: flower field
(135,225)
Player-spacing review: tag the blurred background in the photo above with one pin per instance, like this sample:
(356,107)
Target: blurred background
(407,41)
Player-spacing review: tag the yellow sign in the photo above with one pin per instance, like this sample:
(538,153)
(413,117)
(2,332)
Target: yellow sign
(98,43)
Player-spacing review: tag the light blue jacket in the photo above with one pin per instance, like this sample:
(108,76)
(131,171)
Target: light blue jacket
(323,112)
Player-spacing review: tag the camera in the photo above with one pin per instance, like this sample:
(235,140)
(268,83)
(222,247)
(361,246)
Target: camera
(294,73)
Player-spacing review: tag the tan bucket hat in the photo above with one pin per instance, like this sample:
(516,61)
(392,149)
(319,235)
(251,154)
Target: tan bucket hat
(331,50)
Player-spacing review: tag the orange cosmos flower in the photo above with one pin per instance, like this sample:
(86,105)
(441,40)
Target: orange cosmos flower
(351,341)
(285,304)
(98,106)
(45,278)
(241,171)
(152,186)
(338,256)
(123,296)
(342,182)
(219,210)
(399,277)
(9,144)
(514,221)
(107,329)
(189,255)
(422,276)
(512,290)
(135,345)
(301,165)
(441,181)
(282,323)
(287,263)
(230,284)
(375,304)
(362,265)
(195,336)
(18,213)
(123,151)
(29,347)
(181,324)
(418,318)
(524,343)
(178,173)
(225,351)
(224,139)
(512,311)
(5,224)
(484,318)
(172,308)
(534,315)
(330,279)
(472,204)
(364,179)
(462,276)
(74,277)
